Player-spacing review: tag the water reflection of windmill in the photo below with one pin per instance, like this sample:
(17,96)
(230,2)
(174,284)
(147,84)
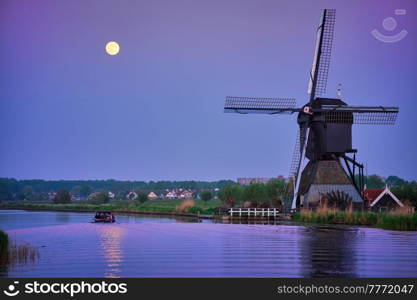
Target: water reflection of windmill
(329,252)
(326,125)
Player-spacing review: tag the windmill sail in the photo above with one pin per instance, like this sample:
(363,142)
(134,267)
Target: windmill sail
(321,61)
(295,157)
(246,105)
(304,134)
(365,115)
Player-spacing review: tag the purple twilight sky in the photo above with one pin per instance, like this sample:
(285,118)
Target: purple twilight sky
(155,111)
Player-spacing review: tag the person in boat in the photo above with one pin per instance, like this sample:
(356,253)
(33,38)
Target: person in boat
(104,217)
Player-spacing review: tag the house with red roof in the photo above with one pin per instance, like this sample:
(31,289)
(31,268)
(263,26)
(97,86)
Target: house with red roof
(381,199)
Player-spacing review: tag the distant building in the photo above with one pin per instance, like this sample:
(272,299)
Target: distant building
(263,180)
(170,195)
(381,199)
(280,177)
(152,196)
(111,195)
(247,181)
(92,195)
(179,194)
(132,196)
(51,195)
(186,194)
(76,198)
(216,192)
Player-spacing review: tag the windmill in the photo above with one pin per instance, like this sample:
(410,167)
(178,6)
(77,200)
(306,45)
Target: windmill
(325,131)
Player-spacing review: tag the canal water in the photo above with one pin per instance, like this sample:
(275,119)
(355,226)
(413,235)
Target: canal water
(69,245)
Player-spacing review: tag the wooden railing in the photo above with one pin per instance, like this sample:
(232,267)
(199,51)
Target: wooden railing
(254,212)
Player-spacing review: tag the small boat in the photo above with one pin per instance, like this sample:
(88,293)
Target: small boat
(104,216)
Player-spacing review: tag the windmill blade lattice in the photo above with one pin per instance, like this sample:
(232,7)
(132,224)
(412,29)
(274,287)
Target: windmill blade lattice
(295,161)
(362,118)
(326,51)
(258,104)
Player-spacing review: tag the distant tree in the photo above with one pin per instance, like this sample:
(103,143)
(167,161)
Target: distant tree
(76,190)
(5,194)
(406,192)
(230,195)
(62,197)
(191,185)
(206,195)
(85,190)
(394,180)
(275,190)
(222,183)
(256,194)
(374,182)
(86,187)
(100,198)
(10,184)
(40,197)
(195,194)
(142,197)
(120,195)
(25,194)
(20,196)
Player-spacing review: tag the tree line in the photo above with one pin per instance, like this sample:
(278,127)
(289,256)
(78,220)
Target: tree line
(36,190)
(270,194)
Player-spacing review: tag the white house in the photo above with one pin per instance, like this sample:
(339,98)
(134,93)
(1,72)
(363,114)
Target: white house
(179,194)
(132,196)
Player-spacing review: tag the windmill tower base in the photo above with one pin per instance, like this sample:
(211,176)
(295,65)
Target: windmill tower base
(326,181)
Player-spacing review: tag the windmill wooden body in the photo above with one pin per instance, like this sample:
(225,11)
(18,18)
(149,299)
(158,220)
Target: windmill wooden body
(325,133)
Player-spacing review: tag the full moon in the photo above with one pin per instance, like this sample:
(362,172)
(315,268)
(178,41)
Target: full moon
(112,48)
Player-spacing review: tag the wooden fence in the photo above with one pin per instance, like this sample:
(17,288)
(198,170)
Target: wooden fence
(253,212)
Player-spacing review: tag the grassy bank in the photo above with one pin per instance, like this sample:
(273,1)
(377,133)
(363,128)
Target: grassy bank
(11,253)
(4,244)
(395,220)
(164,206)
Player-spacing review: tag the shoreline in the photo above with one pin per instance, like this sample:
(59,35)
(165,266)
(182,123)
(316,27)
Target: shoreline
(224,218)
(160,213)
(155,213)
